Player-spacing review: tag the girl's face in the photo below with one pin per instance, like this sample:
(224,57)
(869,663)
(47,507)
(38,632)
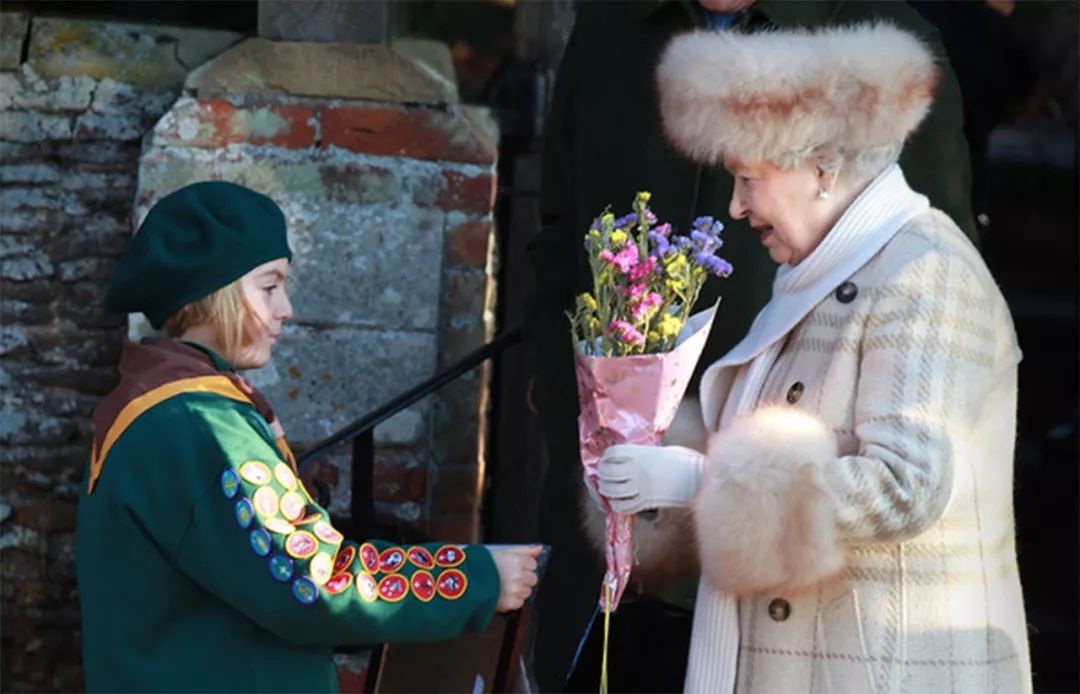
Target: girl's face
(268,309)
(783,206)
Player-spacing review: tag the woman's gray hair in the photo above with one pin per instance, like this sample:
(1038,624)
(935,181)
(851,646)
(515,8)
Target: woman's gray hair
(857,165)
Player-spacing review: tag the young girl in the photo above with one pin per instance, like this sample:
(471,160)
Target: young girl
(203,563)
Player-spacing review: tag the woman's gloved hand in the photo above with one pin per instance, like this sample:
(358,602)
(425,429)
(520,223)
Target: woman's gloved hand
(637,478)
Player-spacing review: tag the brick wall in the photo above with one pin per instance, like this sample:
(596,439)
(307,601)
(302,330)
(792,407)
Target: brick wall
(390,217)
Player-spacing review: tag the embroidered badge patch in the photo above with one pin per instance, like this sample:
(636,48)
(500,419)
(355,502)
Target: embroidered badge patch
(278,525)
(421,557)
(281,567)
(369,557)
(266,501)
(451,584)
(244,513)
(344,558)
(301,545)
(292,506)
(391,559)
(285,476)
(325,532)
(322,568)
(449,556)
(423,586)
(229,483)
(393,588)
(338,583)
(367,587)
(305,591)
(260,542)
(255,472)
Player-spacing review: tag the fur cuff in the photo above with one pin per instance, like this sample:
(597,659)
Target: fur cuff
(663,544)
(764,519)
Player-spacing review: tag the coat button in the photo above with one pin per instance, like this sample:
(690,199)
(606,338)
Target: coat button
(795,392)
(779,609)
(846,292)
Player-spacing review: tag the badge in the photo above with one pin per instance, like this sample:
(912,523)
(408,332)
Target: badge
(325,532)
(338,583)
(277,525)
(244,513)
(423,586)
(260,542)
(421,557)
(292,505)
(449,556)
(366,586)
(369,557)
(344,559)
(305,591)
(391,559)
(255,472)
(281,567)
(322,567)
(393,588)
(451,584)
(311,518)
(285,476)
(301,544)
(266,501)
(229,483)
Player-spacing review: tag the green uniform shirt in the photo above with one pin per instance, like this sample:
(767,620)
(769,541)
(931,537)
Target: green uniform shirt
(203,565)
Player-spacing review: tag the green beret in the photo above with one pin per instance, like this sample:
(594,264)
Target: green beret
(193,242)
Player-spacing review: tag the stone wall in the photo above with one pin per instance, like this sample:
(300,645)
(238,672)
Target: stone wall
(390,216)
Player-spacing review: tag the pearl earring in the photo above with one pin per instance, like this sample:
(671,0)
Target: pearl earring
(822,194)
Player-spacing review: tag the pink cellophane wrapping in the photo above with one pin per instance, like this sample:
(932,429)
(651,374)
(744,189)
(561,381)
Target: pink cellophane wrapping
(631,400)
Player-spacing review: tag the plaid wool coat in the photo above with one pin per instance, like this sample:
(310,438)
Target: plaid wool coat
(886,564)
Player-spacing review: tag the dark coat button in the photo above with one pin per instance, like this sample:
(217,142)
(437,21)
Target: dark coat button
(779,609)
(795,392)
(847,292)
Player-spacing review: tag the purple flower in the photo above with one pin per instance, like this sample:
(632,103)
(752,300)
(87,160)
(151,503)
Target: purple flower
(650,218)
(664,230)
(714,264)
(659,242)
(625,220)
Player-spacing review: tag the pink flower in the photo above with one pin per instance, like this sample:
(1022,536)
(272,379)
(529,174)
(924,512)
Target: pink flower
(641,308)
(635,290)
(625,332)
(643,270)
(626,259)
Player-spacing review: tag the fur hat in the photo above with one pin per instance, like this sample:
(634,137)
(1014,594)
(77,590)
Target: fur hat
(778,96)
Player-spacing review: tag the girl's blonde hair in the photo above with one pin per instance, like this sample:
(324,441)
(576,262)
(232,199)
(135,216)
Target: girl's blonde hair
(226,311)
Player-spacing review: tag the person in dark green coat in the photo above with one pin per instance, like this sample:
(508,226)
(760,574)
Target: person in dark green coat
(603,142)
(203,564)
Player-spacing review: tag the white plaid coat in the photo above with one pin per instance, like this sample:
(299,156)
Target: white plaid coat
(887,564)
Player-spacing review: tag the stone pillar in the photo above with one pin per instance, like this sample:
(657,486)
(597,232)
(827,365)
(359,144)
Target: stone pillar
(388,186)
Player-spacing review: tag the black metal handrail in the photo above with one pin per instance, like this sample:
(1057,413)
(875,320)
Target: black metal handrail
(369,421)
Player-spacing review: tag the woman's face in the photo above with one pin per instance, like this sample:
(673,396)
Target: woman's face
(268,308)
(783,206)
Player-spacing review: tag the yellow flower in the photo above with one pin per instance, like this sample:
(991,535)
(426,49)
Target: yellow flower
(618,238)
(594,324)
(669,326)
(607,218)
(589,301)
(644,196)
(674,262)
(674,285)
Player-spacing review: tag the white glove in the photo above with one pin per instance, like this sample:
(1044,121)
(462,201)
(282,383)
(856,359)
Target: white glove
(637,478)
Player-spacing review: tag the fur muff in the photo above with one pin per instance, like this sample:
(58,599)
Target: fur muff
(664,548)
(764,519)
(776,96)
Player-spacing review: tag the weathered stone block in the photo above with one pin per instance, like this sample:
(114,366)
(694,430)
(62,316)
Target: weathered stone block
(29,173)
(368,266)
(456,490)
(403,429)
(330,70)
(138,54)
(363,184)
(13,29)
(29,91)
(97,126)
(469,242)
(321,379)
(399,477)
(406,132)
(32,127)
(217,123)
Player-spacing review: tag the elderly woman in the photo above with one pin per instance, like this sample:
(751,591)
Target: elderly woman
(853,505)
(203,563)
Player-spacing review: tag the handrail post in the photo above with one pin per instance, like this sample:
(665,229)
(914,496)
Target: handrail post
(362,505)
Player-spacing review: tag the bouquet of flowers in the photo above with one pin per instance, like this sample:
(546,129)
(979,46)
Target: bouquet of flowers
(637,344)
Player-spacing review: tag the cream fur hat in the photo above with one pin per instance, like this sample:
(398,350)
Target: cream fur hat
(778,96)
